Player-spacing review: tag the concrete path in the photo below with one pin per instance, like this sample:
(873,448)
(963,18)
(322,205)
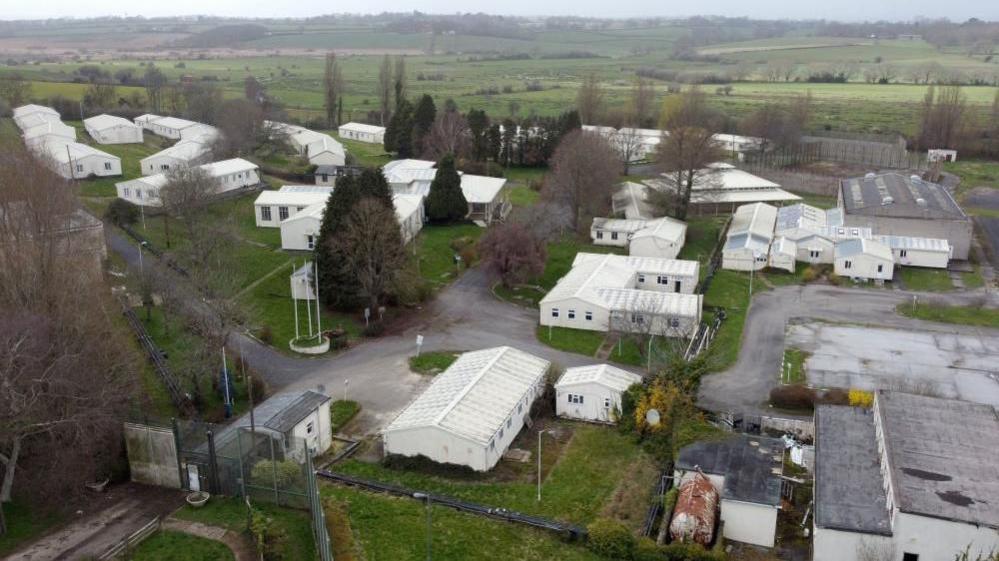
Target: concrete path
(745,387)
(241,546)
(112,516)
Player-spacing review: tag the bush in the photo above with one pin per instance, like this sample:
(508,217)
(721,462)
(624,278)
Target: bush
(810,274)
(861,398)
(834,396)
(647,550)
(266,334)
(611,539)
(374,329)
(286,473)
(794,396)
(121,213)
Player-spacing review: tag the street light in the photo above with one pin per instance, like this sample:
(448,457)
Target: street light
(142,244)
(426,497)
(540,432)
(752,269)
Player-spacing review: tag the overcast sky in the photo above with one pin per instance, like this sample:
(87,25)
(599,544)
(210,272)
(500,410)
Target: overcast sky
(846,10)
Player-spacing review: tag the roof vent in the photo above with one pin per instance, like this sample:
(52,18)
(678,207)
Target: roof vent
(887,200)
(870,175)
(921,202)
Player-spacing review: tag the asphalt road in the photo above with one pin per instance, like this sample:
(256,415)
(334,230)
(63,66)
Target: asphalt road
(745,387)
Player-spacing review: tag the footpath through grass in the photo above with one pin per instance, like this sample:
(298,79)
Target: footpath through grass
(230,513)
(963,315)
(178,546)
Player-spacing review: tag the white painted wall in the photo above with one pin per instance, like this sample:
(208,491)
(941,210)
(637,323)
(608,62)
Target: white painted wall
(598,402)
(749,523)
(600,236)
(238,180)
(864,266)
(931,538)
(665,283)
(825,247)
(370,138)
(121,134)
(275,213)
(921,258)
(321,437)
(600,316)
(649,246)
(742,259)
(295,233)
(95,164)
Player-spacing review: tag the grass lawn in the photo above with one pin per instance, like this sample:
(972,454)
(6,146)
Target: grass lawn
(436,256)
(820,201)
(973,279)
(178,546)
(780,277)
(130,155)
(795,371)
(562,253)
(341,412)
(974,173)
(524,295)
(963,315)
(231,515)
(365,153)
(522,195)
(24,525)
(272,306)
(432,363)
(728,290)
(925,280)
(396,528)
(576,488)
(702,236)
(578,341)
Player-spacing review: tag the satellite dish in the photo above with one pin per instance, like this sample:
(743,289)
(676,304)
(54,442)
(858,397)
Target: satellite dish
(652,418)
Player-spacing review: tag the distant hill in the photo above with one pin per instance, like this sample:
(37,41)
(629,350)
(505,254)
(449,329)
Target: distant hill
(224,36)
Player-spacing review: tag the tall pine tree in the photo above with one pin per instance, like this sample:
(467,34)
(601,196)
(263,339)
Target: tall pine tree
(335,284)
(423,119)
(399,133)
(446,202)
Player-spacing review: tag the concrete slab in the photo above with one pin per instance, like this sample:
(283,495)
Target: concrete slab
(962,366)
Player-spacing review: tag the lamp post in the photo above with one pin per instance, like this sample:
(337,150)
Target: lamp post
(540,432)
(426,497)
(142,271)
(752,269)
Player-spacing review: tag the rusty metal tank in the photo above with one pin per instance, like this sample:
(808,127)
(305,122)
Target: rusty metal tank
(696,511)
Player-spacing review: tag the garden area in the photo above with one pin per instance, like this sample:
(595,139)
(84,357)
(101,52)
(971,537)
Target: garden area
(289,530)
(169,545)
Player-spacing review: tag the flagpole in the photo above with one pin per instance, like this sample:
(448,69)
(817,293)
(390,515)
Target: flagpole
(315,270)
(293,301)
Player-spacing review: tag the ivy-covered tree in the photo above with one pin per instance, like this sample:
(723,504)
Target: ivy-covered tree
(335,288)
(446,202)
(478,125)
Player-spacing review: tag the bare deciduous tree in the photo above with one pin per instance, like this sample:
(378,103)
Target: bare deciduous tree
(943,119)
(371,247)
(186,196)
(590,100)
(511,252)
(333,82)
(448,135)
(689,147)
(583,170)
(241,129)
(642,99)
(385,90)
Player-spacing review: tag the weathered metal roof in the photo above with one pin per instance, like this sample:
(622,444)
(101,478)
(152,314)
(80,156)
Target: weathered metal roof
(475,396)
(899,196)
(610,377)
(295,411)
(863,246)
(748,464)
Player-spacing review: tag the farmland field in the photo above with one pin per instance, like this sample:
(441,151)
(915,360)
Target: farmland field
(492,73)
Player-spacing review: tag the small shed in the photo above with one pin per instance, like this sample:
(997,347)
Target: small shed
(864,259)
(593,393)
(409,213)
(290,418)
(272,207)
(748,239)
(783,254)
(662,238)
(325,151)
(184,153)
(108,129)
(361,132)
(745,470)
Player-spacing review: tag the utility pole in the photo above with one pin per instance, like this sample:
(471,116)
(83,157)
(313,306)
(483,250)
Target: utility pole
(426,497)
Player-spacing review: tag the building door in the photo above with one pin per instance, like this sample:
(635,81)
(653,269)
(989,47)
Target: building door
(676,286)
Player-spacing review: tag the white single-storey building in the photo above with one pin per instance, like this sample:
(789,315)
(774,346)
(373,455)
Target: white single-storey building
(783,254)
(37,114)
(660,237)
(863,259)
(169,127)
(593,393)
(624,293)
(915,476)
(614,232)
(108,129)
(75,160)
(184,153)
(272,207)
(745,470)
(233,174)
(39,133)
(295,420)
(326,151)
(485,196)
(472,411)
(145,121)
(747,244)
(361,132)
(720,188)
(300,230)
(918,252)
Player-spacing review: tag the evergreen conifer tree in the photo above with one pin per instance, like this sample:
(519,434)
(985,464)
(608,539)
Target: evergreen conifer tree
(446,202)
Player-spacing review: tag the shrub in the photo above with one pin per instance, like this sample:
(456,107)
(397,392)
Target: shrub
(834,396)
(611,539)
(457,244)
(374,329)
(469,256)
(285,473)
(647,550)
(810,274)
(861,398)
(122,213)
(266,334)
(794,396)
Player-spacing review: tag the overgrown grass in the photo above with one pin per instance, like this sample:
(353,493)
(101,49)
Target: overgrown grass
(795,370)
(962,315)
(925,280)
(525,295)
(729,290)
(230,513)
(435,254)
(575,489)
(702,236)
(973,279)
(578,341)
(341,412)
(364,153)
(432,363)
(24,525)
(177,546)
(562,253)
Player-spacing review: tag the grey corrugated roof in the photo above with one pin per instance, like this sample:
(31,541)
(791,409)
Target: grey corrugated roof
(746,462)
(293,413)
(909,197)
(849,490)
(943,456)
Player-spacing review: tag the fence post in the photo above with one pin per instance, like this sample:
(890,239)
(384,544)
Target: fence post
(277,499)
(213,476)
(176,445)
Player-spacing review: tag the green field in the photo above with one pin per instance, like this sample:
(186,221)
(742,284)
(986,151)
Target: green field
(491,73)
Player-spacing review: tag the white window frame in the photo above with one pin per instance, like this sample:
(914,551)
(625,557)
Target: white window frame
(282,213)
(588,315)
(265,214)
(572,314)
(554,312)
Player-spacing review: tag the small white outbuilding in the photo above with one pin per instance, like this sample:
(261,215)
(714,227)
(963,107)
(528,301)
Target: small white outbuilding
(108,129)
(749,236)
(471,412)
(361,132)
(233,174)
(592,393)
(662,238)
(273,207)
(184,153)
(864,259)
(75,160)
